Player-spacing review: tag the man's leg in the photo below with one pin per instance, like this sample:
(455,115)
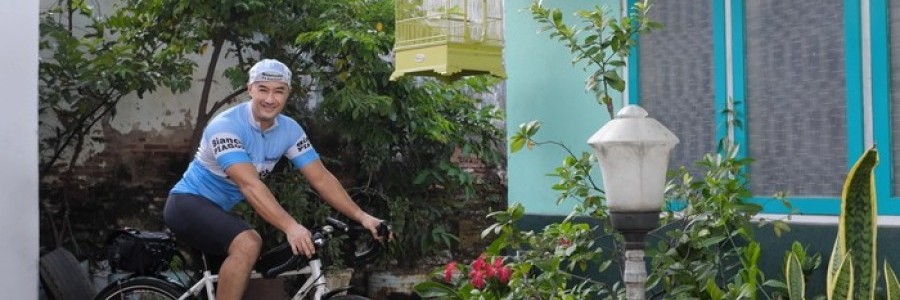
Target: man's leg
(235,270)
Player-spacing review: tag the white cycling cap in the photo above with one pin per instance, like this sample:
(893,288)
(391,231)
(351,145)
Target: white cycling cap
(270,70)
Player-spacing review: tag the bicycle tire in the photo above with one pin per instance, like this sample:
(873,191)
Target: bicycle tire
(348,297)
(141,288)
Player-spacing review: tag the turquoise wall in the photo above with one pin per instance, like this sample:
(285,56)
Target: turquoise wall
(543,85)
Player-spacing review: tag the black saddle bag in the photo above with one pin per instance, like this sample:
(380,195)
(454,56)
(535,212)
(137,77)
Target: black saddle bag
(140,252)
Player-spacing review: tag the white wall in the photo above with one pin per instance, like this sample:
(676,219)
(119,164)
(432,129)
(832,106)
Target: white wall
(19,151)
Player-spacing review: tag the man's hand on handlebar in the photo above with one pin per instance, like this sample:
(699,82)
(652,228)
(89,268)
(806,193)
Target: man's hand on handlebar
(379,229)
(300,240)
(384,230)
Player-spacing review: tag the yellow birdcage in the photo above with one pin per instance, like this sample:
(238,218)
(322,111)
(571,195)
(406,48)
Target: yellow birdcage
(449,38)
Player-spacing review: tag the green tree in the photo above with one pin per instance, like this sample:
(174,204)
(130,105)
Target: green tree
(244,30)
(391,142)
(84,72)
(87,70)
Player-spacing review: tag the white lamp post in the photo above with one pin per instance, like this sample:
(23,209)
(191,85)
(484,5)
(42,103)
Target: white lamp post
(633,151)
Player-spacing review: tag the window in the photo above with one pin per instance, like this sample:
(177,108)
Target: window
(676,85)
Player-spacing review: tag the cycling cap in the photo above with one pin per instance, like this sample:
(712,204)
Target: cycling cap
(270,70)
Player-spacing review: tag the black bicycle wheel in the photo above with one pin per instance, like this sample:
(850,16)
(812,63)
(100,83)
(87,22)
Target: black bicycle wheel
(143,288)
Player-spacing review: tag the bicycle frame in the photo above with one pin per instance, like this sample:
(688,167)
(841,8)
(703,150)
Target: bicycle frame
(270,264)
(315,283)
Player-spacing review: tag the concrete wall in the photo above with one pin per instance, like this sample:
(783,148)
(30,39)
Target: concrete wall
(19,154)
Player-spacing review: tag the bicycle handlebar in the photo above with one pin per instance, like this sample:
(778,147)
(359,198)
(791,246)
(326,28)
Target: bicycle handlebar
(283,258)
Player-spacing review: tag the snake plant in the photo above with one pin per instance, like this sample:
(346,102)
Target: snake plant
(857,229)
(852,268)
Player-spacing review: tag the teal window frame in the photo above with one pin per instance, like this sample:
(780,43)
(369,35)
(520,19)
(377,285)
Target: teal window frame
(879,22)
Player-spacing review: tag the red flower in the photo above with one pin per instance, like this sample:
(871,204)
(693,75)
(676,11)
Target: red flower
(503,274)
(448,271)
(498,263)
(477,279)
(565,242)
(479,264)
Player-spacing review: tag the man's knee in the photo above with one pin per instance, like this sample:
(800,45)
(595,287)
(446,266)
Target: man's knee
(246,243)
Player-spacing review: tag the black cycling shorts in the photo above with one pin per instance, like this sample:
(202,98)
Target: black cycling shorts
(202,224)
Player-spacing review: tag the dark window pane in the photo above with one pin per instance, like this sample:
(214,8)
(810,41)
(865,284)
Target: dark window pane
(796,105)
(895,96)
(676,84)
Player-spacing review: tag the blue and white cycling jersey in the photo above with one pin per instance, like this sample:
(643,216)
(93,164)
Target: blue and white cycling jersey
(235,137)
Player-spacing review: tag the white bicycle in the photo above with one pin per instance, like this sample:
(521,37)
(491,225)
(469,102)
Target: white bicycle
(278,262)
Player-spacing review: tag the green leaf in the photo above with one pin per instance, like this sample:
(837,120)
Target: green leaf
(557,16)
(892,285)
(793,273)
(842,287)
(712,241)
(858,225)
(616,82)
(834,264)
(431,289)
(517,143)
(714,292)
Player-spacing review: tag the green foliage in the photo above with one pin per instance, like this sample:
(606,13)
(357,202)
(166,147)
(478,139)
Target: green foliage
(704,252)
(86,70)
(603,42)
(551,264)
(891,284)
(796,285)
(841,285)
(399,144)
(326,41)
(392,144)
(852,271)
(708,249)
(798,265)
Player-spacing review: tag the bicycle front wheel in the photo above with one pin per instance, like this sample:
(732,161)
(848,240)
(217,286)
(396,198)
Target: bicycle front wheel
(144,288)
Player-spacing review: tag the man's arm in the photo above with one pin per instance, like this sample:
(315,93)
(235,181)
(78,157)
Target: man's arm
(330,189)
(258,195)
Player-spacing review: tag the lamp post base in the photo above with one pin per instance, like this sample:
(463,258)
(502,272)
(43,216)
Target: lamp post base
(634,227)
(635,275)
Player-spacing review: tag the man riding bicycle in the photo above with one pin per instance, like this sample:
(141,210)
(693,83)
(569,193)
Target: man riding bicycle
(238,146)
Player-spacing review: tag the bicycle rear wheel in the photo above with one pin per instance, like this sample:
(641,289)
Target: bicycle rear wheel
(143,288)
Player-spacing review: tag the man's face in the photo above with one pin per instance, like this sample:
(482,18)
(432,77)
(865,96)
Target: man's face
(267,100)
